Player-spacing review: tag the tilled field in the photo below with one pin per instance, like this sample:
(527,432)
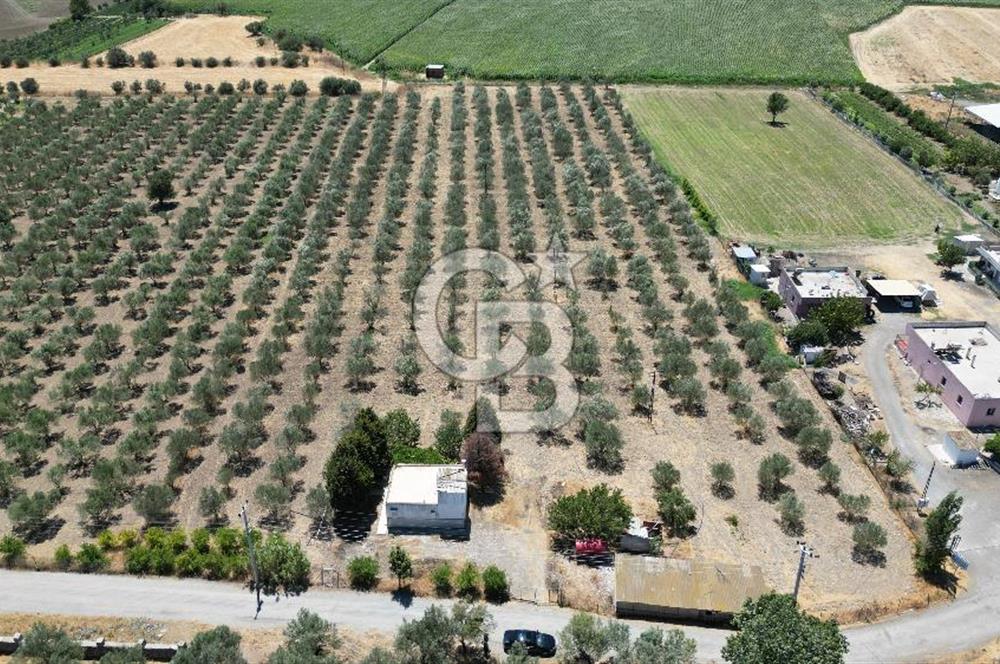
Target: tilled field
(225,337)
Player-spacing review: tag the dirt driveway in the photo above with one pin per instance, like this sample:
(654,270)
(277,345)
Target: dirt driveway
(961,298)
(925,45)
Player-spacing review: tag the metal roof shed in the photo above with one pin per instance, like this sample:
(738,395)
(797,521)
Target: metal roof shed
(663,588)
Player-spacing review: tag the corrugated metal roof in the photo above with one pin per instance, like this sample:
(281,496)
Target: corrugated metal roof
(700,585)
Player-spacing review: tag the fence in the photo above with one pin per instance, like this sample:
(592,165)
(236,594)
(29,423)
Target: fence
(93,650)
(929,178)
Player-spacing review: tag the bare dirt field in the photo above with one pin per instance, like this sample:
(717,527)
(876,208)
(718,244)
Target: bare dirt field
(926,45)
(197,37)
(513,532)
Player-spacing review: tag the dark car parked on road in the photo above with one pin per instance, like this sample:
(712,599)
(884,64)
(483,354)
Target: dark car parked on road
(538,644)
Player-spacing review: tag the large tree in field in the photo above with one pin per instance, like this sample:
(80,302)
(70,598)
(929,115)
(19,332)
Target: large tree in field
(160,186)
(773,629)
(777,104)
(949,254)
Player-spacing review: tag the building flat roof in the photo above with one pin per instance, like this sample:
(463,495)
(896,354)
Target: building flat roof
(745,252)
(419,484)
(969,238)
(970,350)
(830,282)
(992,254)
(894,288)
(690,584)
(988,112)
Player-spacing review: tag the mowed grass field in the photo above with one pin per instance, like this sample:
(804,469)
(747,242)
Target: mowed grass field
(813,182)
(680,41)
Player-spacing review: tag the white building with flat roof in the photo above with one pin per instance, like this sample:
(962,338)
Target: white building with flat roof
(989,263)
(963,359)
(427,497)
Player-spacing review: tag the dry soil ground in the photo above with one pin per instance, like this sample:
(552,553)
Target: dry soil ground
(926,45)
(512,533)
(16,21)
(961,298)
(198,37)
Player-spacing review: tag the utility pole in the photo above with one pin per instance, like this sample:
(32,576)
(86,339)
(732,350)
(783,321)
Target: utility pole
(652,393)
(950,109)
(922,503)
(252,555)
(804,551)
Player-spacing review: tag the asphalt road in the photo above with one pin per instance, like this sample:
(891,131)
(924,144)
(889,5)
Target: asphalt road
(161,598)
(915,637)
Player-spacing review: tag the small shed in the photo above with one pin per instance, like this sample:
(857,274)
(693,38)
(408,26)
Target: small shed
(744,255)
(759,274)
(427,497)
(956,452)
(969,243)
(671,588)
(434,71)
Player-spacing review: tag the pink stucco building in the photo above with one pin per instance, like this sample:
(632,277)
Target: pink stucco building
(963,359)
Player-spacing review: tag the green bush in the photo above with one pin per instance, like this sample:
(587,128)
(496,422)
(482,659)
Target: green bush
(467,581)
(90,558)
(441,577)
(362,572)
(63,557)
(495,585)
(12,550)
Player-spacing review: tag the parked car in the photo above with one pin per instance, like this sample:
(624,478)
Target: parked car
(590,546)
(538,644)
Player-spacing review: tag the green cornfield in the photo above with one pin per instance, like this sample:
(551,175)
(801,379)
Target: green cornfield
(681,41)
(356,29)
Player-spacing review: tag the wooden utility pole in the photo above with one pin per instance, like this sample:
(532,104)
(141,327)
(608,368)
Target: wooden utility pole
(804,551)
(252,555)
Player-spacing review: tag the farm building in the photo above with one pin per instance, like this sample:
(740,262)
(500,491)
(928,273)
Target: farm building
(989,264)
(671,588)
(434,71)
(988,113)
(427,497)
(956,452)
(894,293)
(804,289)
(963,359)
(969,243)
(759,274)
(745,256)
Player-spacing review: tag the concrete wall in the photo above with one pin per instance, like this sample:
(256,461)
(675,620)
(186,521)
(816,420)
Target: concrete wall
(970,411)
(424,517)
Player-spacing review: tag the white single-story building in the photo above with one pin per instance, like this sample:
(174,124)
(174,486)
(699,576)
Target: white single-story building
(427,497)
(759,274)
(955,453)
(969,243)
